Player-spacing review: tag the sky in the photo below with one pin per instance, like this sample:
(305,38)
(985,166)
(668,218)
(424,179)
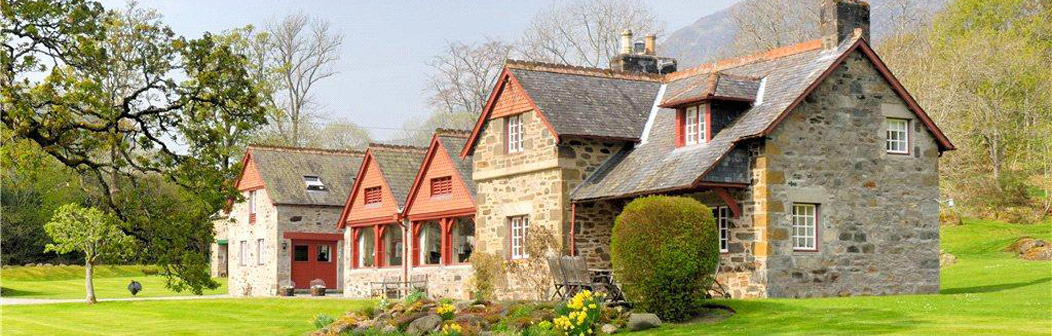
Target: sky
(382,70)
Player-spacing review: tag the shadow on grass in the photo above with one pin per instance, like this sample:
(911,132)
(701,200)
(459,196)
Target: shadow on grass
(11,292)
(994,288)
(764,317)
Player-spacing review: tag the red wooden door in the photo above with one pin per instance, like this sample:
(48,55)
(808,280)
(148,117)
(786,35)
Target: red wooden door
(311,260)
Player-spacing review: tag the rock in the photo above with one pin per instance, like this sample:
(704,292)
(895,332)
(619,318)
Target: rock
(423,325)
(389,329)
(1023,244)
(462,305)
(470,319)
(608,328)
(642,321)
(1038,253)
(340,328)
(946,259)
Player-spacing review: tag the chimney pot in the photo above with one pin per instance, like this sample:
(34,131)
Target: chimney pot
(626,41)
(840,19)
(648,43)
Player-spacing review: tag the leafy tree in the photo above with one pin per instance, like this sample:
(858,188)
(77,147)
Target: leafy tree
(88,230)
(123,100)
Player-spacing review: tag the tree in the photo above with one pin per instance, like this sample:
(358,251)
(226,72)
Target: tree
(462,77)
(585,32)
(981,71)
(117,96)
(88,230)
(304,51)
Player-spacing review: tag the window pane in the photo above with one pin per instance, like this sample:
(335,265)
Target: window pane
(393,245)
(463,239)
(366,247)
(324,253)
(430,240)
(299,253)
(691,120)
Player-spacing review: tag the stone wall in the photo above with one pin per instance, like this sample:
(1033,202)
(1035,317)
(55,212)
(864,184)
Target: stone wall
(878,228)
(248,277)
(443,281)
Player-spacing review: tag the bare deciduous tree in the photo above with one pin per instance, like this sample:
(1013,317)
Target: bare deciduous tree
(304,50)
(463,75)
(585,32)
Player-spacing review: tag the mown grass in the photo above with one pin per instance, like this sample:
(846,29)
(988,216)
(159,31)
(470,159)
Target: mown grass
(67,282)
(987,292)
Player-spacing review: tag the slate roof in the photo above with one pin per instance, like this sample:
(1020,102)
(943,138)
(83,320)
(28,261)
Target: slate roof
(573,101)
(399,165)
(283,168)
(657,165)
(715,84)
(453,143)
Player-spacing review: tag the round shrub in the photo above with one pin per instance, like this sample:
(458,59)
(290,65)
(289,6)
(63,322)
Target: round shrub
(664,250)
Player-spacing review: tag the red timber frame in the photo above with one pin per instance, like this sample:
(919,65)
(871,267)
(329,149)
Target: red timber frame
(446,218)
(681,122)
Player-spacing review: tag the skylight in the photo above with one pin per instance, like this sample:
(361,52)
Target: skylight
(313,182)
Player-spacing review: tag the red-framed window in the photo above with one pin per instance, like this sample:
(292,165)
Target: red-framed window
(693,125)
(373,196)
(442,186)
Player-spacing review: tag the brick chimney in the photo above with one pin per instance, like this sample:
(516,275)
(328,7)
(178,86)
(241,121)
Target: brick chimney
(840,19)
(642,58)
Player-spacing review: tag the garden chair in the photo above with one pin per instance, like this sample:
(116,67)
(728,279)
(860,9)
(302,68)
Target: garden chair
(418,282)
(575,280)
(390,287)
(717,287)
(558,280)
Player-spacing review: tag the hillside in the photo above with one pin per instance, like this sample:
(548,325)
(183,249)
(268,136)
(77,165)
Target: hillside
(703,40)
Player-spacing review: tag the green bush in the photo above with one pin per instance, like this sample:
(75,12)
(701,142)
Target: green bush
(322,321)
(664,250)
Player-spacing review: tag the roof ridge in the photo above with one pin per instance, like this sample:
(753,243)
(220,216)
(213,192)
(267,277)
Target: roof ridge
(306,149)
(580,70)
(452,132)
(723,64)
(396,148)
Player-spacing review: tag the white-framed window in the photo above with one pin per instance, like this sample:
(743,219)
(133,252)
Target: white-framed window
(898,136)
(242,253)
(805,226)
(313,182)
(514,131)
(520,225)
(252,206)
(260,251)
(722,215)
(690,126)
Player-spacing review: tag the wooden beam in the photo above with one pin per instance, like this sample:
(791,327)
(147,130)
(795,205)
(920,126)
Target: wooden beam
(731,203)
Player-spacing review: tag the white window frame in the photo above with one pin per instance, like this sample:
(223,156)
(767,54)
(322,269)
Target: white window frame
(897,136)
(691,126)
(251,202)
(514,133)
(260,251)
(519,226)
(242,254)
(722,216)
(313,181)
(805,227)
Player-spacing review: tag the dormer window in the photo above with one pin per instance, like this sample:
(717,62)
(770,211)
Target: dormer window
(313,183)
(692,127)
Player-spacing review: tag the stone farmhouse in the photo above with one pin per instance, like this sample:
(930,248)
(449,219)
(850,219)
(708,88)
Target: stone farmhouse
(820,168)
(283,232)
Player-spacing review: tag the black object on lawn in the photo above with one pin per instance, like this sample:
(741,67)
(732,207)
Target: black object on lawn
(134,287)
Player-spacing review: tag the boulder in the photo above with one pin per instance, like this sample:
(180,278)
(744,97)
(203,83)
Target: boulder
(1023,244)
(1038,253)
(389,329)
(946,259)
(423,325)
(643,321)
(608,329)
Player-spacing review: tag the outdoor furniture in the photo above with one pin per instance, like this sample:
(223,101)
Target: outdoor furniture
(391,287)
(558,281)
(418,282)
(571,275)
(717,287)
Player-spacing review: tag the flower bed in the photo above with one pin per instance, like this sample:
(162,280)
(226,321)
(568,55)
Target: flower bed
(581,315)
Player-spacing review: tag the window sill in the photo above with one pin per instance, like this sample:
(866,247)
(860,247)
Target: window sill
(805,250)
(899,153)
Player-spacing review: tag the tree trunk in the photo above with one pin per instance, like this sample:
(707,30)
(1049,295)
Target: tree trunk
(89,284)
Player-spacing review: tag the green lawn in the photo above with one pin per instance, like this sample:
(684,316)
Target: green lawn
(986,292)
(67,282)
